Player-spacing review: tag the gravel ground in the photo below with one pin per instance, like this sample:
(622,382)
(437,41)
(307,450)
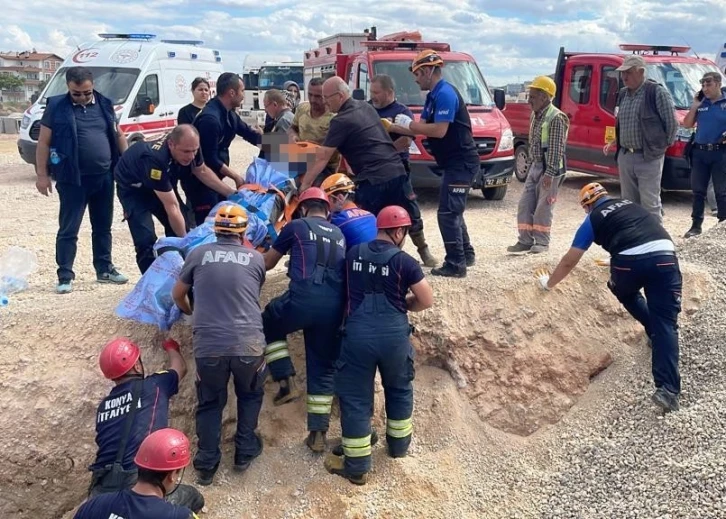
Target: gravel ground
(612,455)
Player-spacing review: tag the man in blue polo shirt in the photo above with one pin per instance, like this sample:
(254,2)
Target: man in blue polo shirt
(642,257)
(708,162)
(446,124)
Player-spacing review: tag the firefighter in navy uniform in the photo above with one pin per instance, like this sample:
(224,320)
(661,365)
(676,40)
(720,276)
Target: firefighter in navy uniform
(161,460)
(642,257)
(121,427)
(446,124)
(377,336)
(313,304)
(147,176)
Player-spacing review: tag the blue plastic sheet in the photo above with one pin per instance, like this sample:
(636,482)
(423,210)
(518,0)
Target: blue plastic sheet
(150,302)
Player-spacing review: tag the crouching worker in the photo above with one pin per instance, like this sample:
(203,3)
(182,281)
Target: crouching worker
(357,225)
(313,304)
(226,277)
(136,406)
(642,257)
(376,336)
(161,460)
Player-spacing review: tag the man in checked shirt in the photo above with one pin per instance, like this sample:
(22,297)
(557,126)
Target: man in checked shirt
(546,169)
(645,126)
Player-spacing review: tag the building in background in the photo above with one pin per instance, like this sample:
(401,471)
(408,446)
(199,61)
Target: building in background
(32,68)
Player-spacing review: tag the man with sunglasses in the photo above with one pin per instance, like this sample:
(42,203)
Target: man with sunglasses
(80,144)
(708,161)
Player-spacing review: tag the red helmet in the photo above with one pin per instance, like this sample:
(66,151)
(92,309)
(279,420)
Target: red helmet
(314,193)
(118,357)
(164,450)
(392,217)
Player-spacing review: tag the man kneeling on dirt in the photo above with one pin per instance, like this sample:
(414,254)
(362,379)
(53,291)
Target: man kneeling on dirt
(161,460)
(227,278)
(643,257)
(358,225)
(136,406)
(314,304)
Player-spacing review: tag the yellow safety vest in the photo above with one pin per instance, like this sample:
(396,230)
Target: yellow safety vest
(551,113)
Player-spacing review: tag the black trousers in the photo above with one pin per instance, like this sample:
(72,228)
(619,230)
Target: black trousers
(397,191)
(140,207)
(706,166)
(248,374)
(96,193)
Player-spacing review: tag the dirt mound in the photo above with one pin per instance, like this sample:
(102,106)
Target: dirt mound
(520,357)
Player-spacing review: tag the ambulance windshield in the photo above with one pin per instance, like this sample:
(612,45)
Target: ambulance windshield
(681,79)
(464,75)
(114,83)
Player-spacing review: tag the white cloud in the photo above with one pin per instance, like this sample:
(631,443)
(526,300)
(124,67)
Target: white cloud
(512,40)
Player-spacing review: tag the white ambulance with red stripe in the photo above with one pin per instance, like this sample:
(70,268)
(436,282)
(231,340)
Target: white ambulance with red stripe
(148,81)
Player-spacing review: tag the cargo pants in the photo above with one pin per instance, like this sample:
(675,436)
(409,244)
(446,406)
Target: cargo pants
(535,213)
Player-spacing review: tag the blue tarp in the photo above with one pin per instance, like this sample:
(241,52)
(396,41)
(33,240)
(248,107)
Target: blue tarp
(150,301)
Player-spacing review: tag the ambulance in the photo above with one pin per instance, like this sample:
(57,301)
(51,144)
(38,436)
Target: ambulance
(147,80)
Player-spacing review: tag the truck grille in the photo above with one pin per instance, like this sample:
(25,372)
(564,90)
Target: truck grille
(484,145)
(35,130)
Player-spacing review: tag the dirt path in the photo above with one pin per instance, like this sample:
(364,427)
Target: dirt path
(488,443)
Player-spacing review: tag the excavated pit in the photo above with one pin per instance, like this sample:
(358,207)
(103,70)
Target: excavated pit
(520,358)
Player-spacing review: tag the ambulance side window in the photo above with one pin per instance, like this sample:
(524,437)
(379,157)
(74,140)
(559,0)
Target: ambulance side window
(580,84)
(363,79)
(148,96)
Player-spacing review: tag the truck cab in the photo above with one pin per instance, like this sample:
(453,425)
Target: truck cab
(358,57)
(587,91)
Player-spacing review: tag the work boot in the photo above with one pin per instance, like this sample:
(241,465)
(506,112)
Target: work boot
(419,240)
(316,441)
(518,248)
(338,449)
(450,271)
(539,249)
(243,462)
(695,230)
(287,393)
(470,259)
(188,496)
(336,465)
(205,477)
(665,400)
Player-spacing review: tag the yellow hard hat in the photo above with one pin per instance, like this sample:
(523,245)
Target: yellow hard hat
(230,219)
(544,83)
(337,182)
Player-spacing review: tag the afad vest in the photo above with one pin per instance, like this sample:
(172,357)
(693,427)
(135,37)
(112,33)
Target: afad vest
(63,158)
(550,114)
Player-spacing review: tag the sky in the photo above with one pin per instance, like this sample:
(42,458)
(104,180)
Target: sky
(512,40)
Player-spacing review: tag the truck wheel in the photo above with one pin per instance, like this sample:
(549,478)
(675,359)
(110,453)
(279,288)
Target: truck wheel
(495,193)
(520,162)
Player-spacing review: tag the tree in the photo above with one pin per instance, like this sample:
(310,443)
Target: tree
(41,85)
(10,83)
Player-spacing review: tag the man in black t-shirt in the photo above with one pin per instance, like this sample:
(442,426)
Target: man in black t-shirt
(357,133)
(147,176)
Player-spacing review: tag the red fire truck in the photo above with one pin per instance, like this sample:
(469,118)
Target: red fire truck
(587,91)
(358,57)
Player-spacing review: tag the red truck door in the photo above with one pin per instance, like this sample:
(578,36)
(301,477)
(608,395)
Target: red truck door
(589,101)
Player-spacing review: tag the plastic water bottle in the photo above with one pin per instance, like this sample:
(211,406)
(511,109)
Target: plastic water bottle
(16,266)
(4,300)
